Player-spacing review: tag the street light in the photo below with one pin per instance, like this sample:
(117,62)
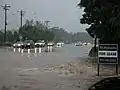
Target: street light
(5,8)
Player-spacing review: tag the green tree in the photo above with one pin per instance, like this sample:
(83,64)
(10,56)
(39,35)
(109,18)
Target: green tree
(16,36)
(35,31)
(10,36)
(103,16)
(1,37)
(61,35)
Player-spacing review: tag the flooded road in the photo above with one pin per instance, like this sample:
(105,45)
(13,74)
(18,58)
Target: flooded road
(38,71)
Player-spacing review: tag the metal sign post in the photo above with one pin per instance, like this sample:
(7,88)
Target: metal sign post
(108,54)
(98,68)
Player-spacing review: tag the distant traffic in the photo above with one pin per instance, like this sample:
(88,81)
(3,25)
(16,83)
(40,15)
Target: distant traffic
(79,43)
(38,46)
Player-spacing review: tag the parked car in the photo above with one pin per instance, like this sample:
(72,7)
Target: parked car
(18,44)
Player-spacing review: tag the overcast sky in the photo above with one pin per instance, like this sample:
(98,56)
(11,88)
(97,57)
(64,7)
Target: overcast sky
(62,13)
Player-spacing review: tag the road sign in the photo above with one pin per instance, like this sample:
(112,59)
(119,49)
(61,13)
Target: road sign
(108,54)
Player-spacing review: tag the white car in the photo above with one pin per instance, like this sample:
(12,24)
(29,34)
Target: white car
(18,44)
(84,44)
(60,44)
(78,44)
(50,44)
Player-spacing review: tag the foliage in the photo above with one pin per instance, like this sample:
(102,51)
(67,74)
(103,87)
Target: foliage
(82,36)
(39,31)
(1,37)
(66,37)
(61,35)
(36,31)
(103,16)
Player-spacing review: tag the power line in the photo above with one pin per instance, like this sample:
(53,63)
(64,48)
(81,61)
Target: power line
(5,8)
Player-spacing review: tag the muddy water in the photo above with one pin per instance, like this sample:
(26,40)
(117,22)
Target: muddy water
(46,71)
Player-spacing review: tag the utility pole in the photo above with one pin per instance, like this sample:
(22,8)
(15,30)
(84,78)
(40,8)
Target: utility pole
(46,23)
(22,13)
(34,16)
(5,8)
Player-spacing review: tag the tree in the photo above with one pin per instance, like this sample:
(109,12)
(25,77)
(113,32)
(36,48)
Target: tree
(103,16)
(10,37)
(61,35)
(35,31)
(1,37)
(16,36)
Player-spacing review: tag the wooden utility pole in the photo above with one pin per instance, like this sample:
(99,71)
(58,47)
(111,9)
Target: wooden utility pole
(22,13)
(5,8)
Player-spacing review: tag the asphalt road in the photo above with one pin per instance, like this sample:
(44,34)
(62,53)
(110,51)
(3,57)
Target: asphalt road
(27,71)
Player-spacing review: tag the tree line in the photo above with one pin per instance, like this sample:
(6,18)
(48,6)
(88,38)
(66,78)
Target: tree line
(29,31)
(36,30)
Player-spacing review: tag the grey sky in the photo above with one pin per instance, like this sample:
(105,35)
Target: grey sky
(62,13)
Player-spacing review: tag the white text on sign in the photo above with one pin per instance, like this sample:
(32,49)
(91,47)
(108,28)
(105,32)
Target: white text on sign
(107,53)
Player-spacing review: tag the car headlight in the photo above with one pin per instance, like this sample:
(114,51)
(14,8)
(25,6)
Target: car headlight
(18,44)
(28,44)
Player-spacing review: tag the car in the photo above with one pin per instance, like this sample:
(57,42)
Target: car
(18,44)
(29,43)
(50,44)
(84,44)
(78,44)
(59,44)
(40,43)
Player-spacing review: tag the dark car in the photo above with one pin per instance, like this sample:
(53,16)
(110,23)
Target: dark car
(29,43)
(40,43)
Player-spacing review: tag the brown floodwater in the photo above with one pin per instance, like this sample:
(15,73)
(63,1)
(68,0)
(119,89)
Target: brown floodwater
(46,71)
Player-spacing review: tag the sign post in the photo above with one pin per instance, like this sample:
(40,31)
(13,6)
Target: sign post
(108,54)
(98,68)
